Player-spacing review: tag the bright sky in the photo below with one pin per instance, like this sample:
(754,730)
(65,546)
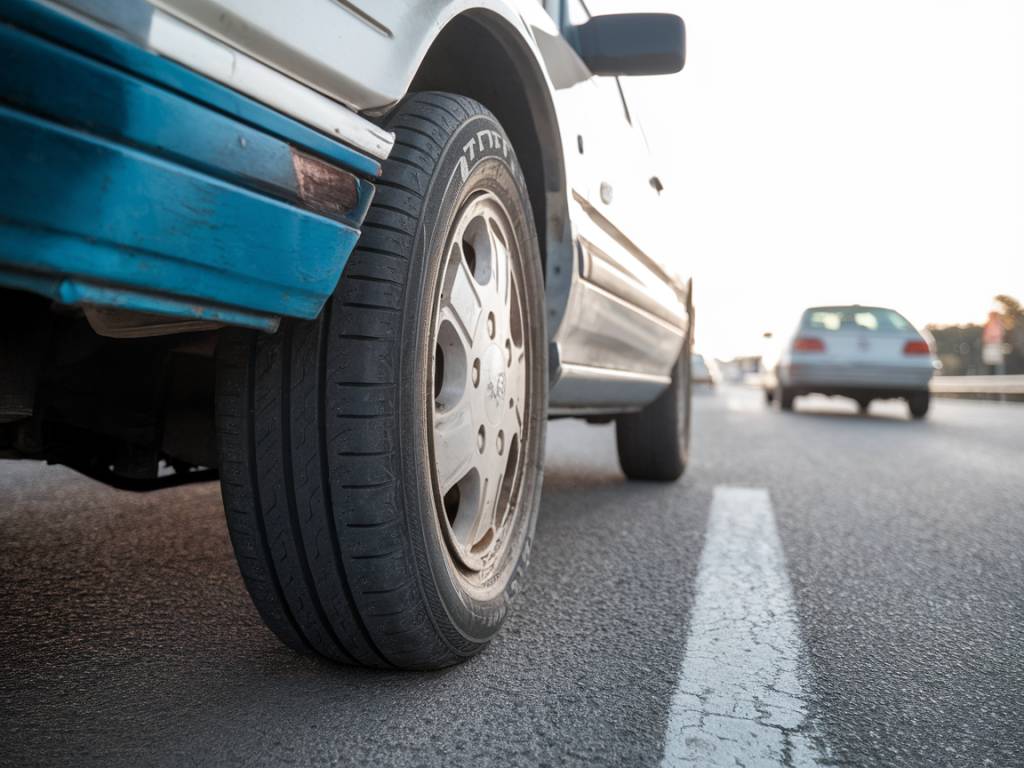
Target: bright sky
(836,152)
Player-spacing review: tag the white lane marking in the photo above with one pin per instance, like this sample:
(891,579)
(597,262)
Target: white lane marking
(739,699)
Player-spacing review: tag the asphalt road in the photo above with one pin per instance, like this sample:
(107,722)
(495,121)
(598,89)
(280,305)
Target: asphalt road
(126,636)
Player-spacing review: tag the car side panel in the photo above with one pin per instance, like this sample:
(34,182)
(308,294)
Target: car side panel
(625,313)
(361,52)
(602,275)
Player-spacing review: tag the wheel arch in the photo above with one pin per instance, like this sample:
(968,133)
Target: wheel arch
(481,54)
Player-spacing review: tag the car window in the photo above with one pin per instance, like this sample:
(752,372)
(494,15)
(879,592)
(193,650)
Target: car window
(853,319)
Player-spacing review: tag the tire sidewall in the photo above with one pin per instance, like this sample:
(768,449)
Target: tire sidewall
(477,157)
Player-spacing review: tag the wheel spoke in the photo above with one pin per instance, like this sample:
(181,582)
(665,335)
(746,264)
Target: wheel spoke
(500,263)
(455,446)
(512,420)
(448,317)
(515,320)
(484,517)
(461,296)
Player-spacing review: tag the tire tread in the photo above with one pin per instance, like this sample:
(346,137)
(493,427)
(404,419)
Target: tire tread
(320,543)
(649,443)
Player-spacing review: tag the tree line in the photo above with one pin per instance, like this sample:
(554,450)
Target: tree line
(959,347)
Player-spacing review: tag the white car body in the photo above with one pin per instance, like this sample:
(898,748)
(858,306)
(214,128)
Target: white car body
(617,300)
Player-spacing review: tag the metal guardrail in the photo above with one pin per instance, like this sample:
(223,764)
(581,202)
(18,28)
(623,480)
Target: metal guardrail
(978,385)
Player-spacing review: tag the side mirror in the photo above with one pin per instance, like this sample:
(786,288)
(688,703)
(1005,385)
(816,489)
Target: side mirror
(632,44)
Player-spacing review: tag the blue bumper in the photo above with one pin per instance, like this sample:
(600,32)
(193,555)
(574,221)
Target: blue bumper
(129,181)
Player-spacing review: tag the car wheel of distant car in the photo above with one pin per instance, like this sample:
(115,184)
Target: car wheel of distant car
(785,398)
(769,396)
(919,402)
(381,464)
(654,444)
(863,404)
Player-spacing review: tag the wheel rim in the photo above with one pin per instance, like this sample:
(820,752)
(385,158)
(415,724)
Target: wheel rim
(479,385)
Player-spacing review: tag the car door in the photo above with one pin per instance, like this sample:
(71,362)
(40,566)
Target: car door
(617,183)
(626,314)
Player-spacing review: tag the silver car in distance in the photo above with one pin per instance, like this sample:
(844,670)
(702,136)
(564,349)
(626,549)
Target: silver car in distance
(865,353)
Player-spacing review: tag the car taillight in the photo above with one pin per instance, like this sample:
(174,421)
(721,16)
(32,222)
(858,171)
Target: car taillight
(808,344)
(916,348)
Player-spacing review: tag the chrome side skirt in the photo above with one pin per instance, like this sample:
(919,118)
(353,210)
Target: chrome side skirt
(583,390)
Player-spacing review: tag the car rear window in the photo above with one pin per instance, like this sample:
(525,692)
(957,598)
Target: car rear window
(853,319)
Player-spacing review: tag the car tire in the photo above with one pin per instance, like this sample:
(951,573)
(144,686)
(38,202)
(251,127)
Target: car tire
(785,397)
(863,404)
(359,534)
(654,444)
(919,403)
(769,396)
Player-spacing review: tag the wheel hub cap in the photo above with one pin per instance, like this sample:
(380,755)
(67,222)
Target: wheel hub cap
(479,384)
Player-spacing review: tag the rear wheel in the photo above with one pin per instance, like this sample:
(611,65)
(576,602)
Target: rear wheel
(654,444)
(919,402)
(863,404)
(785,397)
(381,465)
